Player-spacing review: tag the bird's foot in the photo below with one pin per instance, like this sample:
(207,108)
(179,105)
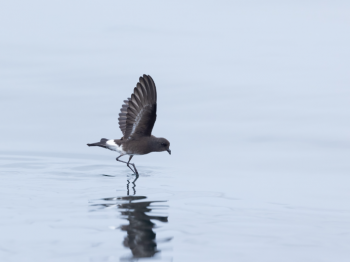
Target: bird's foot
(135,170)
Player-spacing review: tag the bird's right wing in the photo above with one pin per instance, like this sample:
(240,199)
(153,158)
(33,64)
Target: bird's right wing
(138,113)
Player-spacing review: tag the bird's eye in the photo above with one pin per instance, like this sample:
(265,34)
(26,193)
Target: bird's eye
(163,144)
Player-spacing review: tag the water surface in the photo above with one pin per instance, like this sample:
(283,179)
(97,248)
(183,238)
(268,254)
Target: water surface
(253,96)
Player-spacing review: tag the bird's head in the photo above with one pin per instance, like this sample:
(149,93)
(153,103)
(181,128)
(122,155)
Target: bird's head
(161,144)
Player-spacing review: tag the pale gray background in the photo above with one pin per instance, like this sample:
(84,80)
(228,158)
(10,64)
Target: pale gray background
(253,96)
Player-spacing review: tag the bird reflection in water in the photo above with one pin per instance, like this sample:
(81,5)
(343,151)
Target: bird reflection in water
(140,238)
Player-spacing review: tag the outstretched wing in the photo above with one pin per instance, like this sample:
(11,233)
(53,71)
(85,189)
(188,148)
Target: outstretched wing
(138,113)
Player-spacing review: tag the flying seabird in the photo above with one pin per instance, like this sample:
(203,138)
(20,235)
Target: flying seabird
(136,120)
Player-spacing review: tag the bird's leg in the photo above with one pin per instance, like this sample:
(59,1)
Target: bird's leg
(132,165)
(127,163)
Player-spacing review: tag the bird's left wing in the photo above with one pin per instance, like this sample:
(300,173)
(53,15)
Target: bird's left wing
(139,113)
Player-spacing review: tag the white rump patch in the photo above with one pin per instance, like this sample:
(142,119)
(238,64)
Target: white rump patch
(114,147)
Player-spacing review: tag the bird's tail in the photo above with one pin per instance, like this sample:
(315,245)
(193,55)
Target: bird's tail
(102,143)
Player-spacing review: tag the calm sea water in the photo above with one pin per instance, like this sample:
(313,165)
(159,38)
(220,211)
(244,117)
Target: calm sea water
(254,98)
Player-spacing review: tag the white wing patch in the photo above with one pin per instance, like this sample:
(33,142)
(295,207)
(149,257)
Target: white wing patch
(111,145)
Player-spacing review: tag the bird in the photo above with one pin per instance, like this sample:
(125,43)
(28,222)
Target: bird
(136,120)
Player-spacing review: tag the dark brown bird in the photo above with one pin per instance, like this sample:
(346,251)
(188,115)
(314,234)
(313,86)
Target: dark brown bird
(136,120)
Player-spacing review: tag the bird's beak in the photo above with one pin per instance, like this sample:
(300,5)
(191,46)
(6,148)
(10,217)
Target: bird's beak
(169,151)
